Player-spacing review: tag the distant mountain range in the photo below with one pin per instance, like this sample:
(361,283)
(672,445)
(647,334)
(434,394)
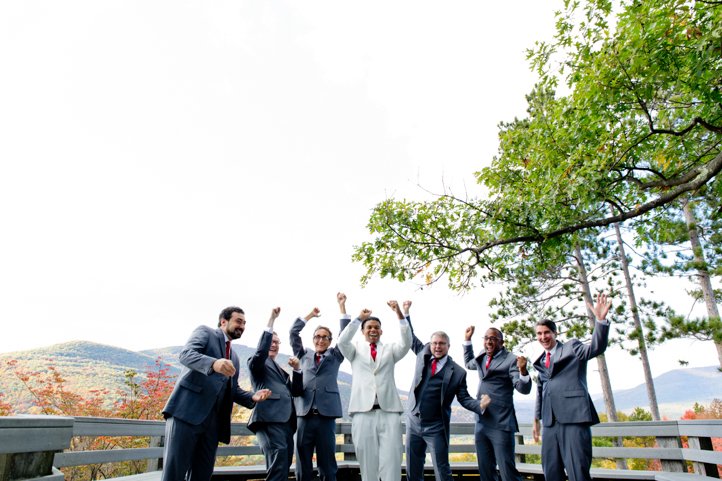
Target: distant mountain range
(676,390)
(87,366)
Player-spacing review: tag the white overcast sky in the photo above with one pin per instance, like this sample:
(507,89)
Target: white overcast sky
(161,160)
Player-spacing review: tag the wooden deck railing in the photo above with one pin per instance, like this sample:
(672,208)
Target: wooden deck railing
(36,447)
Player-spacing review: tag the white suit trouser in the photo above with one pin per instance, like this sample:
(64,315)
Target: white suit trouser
(377,440)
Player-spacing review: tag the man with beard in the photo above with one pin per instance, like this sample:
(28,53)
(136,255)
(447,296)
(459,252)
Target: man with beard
(274,421)
(375,407)
(320,404)
(198,412)
(500,372)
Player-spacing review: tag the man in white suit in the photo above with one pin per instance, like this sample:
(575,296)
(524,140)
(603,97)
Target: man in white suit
(375,408)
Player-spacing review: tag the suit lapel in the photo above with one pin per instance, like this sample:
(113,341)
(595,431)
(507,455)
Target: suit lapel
(449,370)
(221,339)
(497,360)
(556,358)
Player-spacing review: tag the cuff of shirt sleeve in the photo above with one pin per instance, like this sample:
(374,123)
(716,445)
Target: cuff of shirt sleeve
(466,343)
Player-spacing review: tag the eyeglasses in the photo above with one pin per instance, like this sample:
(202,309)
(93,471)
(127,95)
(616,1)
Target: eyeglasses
(440,343)
(275,342)
(321,338)
(492,338)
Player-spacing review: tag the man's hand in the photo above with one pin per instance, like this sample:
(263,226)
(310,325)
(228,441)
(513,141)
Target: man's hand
(274,315)
(395,307)
(225,367)
(261,395)
(316,312)
(601,308)
(521,364)
(365,314)
(407,307)
(484,402)
(536,431)
(294,362)
(341,298)
(469,332)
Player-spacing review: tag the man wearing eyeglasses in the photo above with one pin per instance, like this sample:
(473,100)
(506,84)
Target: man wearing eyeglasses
(320,403)
(274,421)
(500,372)
(437,381)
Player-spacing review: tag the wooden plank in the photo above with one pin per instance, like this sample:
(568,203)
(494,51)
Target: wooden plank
(238,450)
(665,476)
(93,427)
(81,458)
(640,453)
(708,428)
(30,433)
(150,476)
(702,456)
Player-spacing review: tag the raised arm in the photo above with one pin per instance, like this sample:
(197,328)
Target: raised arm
(345,318)
(344,339)
(416,345)
(407,335)
(600,336)
(469,359)
(256,364)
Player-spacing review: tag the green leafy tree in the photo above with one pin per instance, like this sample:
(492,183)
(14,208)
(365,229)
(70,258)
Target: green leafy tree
(686,242)
(640,127)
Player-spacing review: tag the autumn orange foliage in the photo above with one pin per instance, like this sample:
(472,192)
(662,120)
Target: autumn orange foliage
(713,411)
(142,397)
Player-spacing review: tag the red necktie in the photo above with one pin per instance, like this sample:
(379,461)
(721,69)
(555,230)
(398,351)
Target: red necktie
(373,350)
(488,360)
(228,349)
(548,361)
(433,366)
(318,359)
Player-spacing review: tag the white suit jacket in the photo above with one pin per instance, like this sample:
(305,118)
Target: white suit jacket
(372,380)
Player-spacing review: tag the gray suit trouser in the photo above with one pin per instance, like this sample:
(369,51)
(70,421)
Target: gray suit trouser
(495,447)
(317,433)
(190,451)
(276,441)
(419,435)
(567,446)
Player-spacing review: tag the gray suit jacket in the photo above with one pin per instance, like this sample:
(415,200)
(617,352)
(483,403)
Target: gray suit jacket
(267,374)
(319,383)
(498,382)
(562,393)
(453,385)
(198,387)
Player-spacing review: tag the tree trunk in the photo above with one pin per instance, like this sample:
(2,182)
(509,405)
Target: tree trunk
(603,371)
(648,380)
(703,276)
(601,361)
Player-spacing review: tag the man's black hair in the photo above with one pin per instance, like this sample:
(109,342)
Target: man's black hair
(227,313)
(372,318)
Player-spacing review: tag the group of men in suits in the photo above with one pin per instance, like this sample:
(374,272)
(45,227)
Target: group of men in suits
(198,411)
